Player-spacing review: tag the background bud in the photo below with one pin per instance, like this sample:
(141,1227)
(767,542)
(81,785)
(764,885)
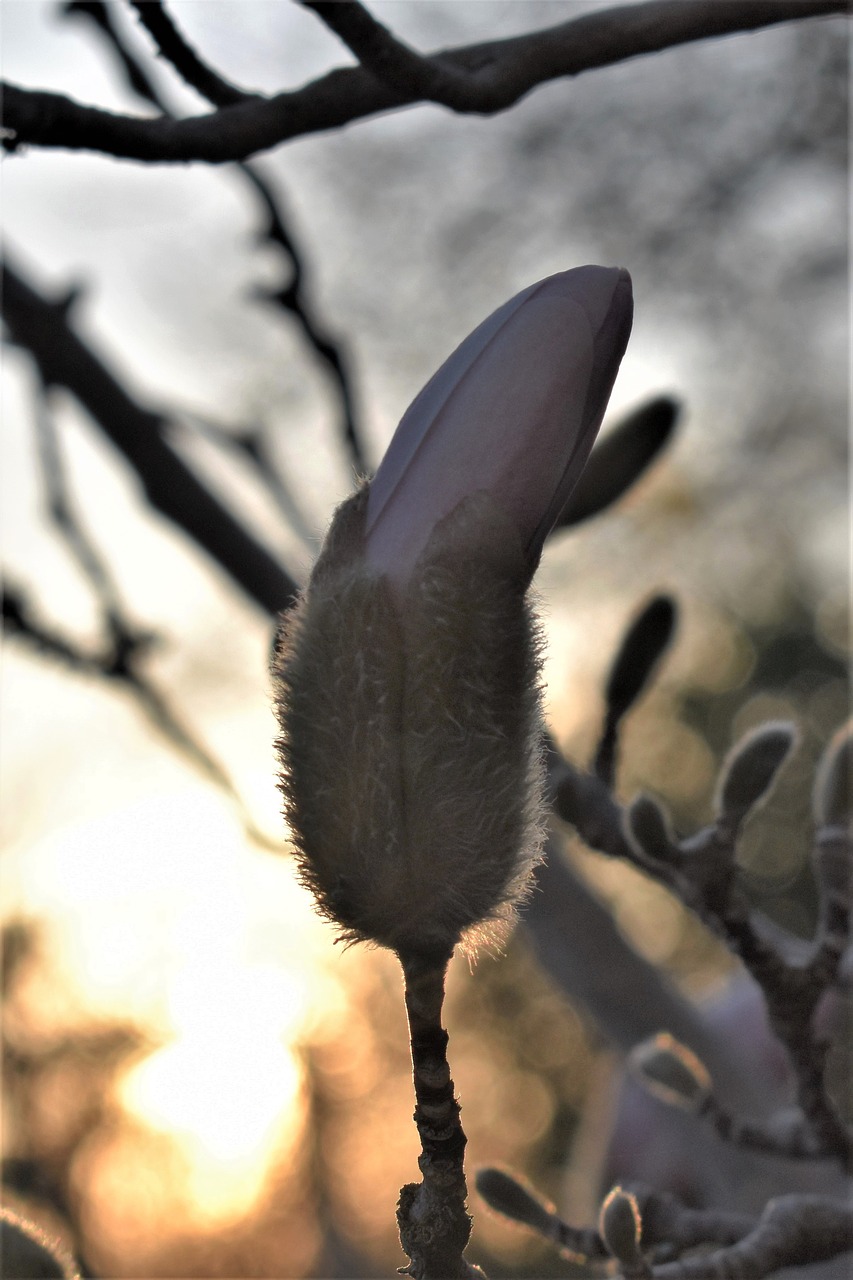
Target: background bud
(620,1226)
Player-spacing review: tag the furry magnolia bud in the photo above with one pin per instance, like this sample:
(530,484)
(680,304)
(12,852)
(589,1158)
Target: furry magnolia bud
(408,674)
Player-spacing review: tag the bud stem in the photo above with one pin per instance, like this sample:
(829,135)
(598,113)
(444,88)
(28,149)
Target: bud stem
(431,1215)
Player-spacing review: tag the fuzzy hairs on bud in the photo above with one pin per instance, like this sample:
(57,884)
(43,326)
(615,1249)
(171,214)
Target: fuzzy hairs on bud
(411,763)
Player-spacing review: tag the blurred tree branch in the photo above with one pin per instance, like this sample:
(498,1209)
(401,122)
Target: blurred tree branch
(175,49)
(482,78)
(291,297)
(42,327)
(792,1229)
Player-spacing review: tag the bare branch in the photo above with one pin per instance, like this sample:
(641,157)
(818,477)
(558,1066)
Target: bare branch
(501,71)
(82,547)
(398,67)
(184,58)
(120,664)
(63,359)
(102,15)
(292,297)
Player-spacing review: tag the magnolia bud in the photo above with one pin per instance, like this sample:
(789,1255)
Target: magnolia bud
(671,1072)
(749,770)
(506,1195)
(620,1226)
(27,1250)
(408,674)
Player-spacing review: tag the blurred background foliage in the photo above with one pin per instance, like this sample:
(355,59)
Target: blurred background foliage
(196,1082)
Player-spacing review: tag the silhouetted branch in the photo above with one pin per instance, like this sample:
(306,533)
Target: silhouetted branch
(63,359)
(101,15)
(400,68)
(189,66)
(291,297)
(499,74)
(119,663)
(251,445)
(124,637)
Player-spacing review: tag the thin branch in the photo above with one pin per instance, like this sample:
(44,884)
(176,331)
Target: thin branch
(252,446)
(400,68)
(125,637)
(63,359)
(501,73)
(120,665)
(431,1215)
(102,15)
(293,297)
(189,66)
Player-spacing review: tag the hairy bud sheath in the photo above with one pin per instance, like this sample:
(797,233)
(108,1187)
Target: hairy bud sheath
(407,676)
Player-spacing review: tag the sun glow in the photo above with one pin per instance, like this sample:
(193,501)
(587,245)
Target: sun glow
(160,912)
(232,1106)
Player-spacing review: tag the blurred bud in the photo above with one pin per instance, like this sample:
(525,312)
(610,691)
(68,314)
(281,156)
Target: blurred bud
(671,1071)
(647,828)
(408,675)
(502,1193)
(28,1253)
(620,1227)
(750,768)
(642,647)
(833,790)
(620,458)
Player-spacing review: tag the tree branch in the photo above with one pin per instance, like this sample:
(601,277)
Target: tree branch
(292,297)
(499,73)
(189,66)
(121,666)
(431,1215)
(63,359)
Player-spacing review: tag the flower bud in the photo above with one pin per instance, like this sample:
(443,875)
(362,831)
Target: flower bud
(514,411)
(621,1226)
(408,674)
(671,1072)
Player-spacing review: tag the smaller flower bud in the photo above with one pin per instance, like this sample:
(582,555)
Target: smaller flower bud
(620,1227)
(648,829)
(27,1250)
(671,1071)
(505,1195)
(749,770)
(833,789)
